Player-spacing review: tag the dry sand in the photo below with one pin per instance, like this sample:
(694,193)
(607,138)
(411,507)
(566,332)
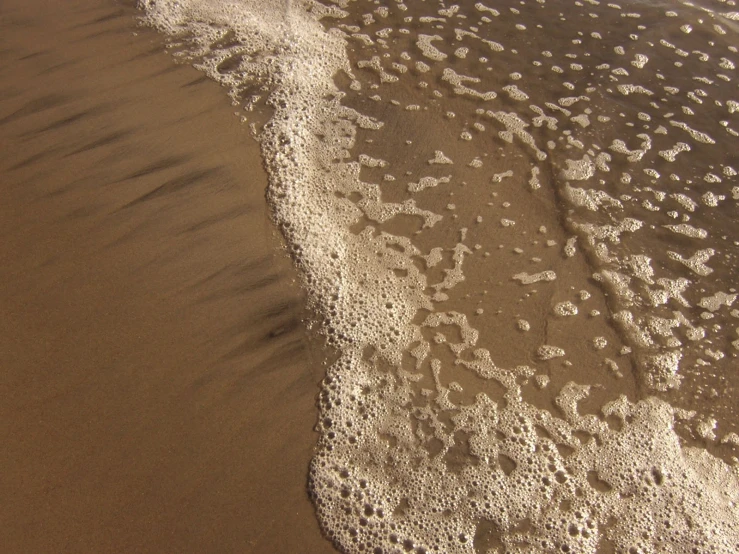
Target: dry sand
(157,386)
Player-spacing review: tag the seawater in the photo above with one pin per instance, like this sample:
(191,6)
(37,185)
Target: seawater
(515,224)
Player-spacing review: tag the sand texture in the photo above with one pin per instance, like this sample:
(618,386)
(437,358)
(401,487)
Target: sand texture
(157,387)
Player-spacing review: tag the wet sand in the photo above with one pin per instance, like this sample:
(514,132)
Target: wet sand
(158,388)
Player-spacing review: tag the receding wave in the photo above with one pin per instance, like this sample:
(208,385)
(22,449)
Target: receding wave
(514,222)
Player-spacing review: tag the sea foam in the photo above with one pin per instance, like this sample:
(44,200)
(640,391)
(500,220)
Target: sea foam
(402,464)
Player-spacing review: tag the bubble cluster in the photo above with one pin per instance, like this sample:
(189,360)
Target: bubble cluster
(588,214)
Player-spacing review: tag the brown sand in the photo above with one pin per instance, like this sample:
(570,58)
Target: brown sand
(157,386)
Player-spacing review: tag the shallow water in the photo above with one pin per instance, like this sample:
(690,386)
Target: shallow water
(514,225)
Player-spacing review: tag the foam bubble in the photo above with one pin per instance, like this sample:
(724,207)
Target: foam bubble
(430,51)
(527,279)
(408,458)
(564,309)
(549,352)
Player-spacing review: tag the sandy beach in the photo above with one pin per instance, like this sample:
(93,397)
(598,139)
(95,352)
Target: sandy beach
(158,388)
(513,223)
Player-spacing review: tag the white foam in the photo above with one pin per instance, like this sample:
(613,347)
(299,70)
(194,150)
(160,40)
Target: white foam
(440,158)
(688,230)
(427,182)
(458,82)
(549,352)
(576,480)
(698,136)
(430,51)
(564,309)
(697,262)
(527,279)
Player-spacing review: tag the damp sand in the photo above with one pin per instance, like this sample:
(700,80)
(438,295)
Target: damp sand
(158,393)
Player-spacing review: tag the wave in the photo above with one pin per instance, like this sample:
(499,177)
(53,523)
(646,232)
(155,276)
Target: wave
(426,444)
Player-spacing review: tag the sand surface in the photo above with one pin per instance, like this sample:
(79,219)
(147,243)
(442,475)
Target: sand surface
(158,388)
(158,383)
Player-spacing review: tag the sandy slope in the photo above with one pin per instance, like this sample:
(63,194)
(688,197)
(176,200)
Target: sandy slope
(157,386)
